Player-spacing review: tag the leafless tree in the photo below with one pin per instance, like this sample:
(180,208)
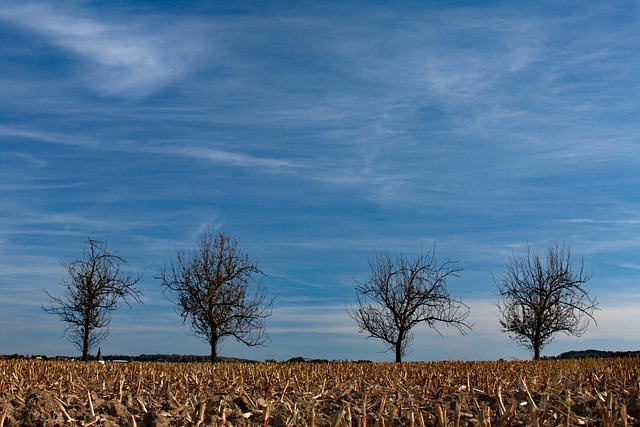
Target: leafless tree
(540,295)
(94,288)
(402,292)
(210,286)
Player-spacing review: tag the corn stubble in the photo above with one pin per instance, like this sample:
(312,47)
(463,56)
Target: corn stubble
(588,392)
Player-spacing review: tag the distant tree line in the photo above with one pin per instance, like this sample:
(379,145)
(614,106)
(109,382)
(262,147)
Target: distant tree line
(172,358)
(190,358)
(596,354)
(217,288)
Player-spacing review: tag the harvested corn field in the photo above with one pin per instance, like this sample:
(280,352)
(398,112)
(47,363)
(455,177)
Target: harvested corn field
(591,392)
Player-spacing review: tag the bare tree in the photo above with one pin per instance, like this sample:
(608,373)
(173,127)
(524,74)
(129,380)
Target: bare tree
(210,286)
(94,288)
(403,292)
(540,295)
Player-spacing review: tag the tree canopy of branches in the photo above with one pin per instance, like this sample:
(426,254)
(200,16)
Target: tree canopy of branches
(210,286)
(540,295)
(94,288)
(402,292)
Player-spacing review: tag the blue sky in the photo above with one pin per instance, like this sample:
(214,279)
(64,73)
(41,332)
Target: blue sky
(316,133)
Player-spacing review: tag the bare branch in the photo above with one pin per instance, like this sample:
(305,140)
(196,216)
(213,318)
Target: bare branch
(541,295)
(403,292)
(94,287)
(210,287)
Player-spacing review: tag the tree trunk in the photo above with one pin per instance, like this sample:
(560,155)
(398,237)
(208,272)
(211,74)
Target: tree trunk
(398,351)
(214,350)
(537,341)
(85,342)
(536,351)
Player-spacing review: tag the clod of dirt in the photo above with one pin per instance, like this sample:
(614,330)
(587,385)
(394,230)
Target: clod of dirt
(153,419)
(8,410)
(41,409)
(118,410)
(633,407)
(278,421)
(242,405)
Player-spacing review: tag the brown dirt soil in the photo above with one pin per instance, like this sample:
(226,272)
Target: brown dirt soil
(546,393)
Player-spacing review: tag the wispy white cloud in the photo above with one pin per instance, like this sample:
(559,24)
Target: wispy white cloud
(234,158)
(319,134)
(10,132)
(311,319)
(126,58)
(617,222)
(631,266)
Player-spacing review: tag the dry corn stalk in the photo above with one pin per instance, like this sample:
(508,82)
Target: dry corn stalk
(441,417)
(551,389)
(64,411)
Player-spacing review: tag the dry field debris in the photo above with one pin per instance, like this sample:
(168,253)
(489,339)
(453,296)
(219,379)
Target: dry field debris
(589,392)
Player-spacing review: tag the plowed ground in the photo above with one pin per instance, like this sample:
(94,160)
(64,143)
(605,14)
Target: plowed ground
(545,393)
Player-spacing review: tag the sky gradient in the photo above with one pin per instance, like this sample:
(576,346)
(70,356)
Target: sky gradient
(316,133)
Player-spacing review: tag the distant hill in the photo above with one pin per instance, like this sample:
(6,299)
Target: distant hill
(598,354)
